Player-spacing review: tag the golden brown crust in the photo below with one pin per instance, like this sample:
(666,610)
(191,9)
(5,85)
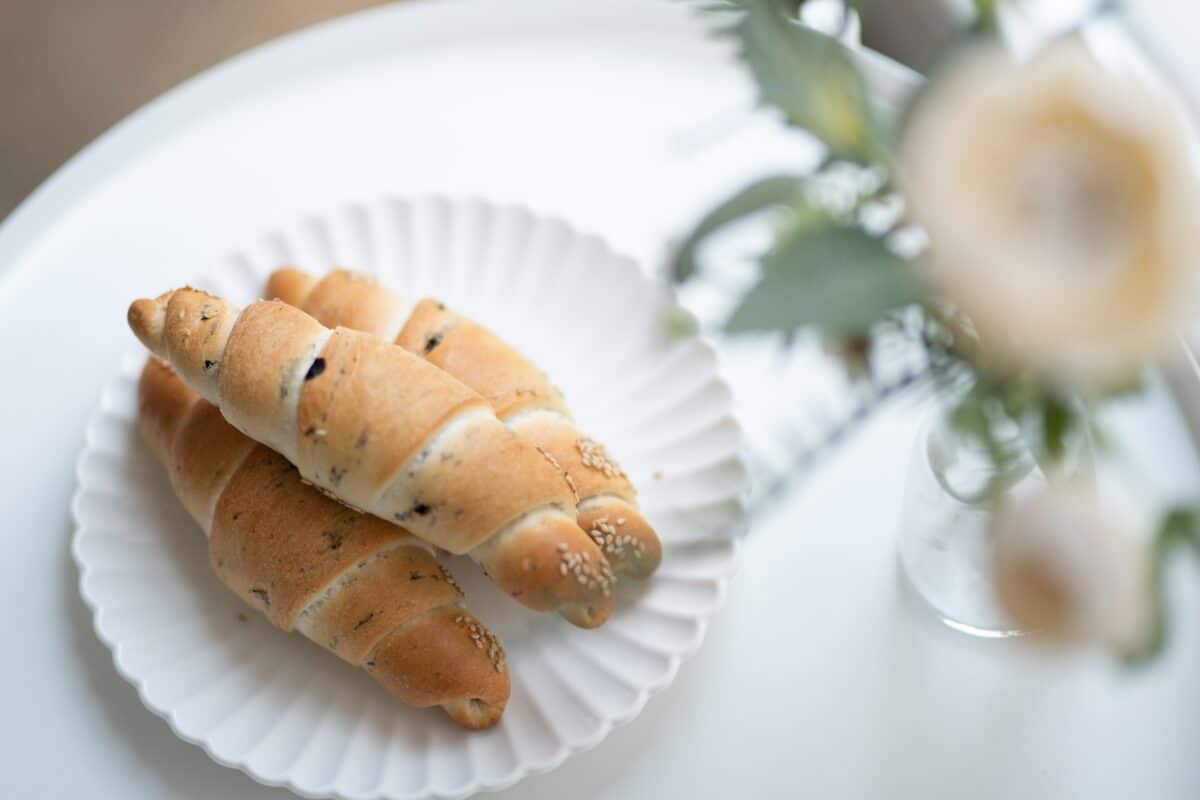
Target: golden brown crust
(196,329)
(206,452)
(517,391)
(278,543)
(379,428)
(147,318)
(308,562)
(475,356)
(270,349)
(592,470)
(342,297)
(469,485)
(622,534)
(188,328)
(368,412)
(289,286)
(163,401)
(379,596)
(442,666)
(548,563)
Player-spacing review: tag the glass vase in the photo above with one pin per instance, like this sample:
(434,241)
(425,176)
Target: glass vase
(945,546)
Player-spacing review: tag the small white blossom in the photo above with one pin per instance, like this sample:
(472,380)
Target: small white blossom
(1072,568)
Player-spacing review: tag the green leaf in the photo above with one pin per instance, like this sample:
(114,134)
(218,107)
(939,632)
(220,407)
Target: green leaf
(810,77)
(1057,421)
(1180,527)
(970,419)
(719,6)
(986,21)
(779,190)
(826,275)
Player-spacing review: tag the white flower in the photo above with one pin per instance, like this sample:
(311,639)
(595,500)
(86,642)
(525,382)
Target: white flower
(1062,210)
(1073,569)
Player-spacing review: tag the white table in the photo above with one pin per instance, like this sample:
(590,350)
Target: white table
(822,677)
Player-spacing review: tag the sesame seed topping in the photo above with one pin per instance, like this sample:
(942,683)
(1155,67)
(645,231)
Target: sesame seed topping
(481,636)
(611,543)
(594,456)
(586,574)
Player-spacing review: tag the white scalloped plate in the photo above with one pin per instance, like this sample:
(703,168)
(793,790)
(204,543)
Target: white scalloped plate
(287,713)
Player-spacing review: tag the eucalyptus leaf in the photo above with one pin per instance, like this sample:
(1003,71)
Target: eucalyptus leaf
(1180,528)
(1057,421)
(829,276)
(986,18)
(810,77)
(779,190)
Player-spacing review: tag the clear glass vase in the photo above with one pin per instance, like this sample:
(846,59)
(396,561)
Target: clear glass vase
(945,547)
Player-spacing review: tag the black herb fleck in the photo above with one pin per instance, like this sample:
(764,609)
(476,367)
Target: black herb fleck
(432,342)
(262,594)
(415,575)
(336,475)
(318,366)
(334,538)
(208,365)
(364,620)
(420,509)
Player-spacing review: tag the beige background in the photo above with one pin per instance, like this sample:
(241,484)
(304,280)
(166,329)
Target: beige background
(70,69)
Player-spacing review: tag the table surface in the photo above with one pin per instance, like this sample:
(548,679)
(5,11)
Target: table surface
(821,677)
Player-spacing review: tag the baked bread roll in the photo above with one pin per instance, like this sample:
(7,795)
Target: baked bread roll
(385,432)
(369,592)
(518,391)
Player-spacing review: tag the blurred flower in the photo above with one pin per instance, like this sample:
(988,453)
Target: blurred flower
(1062,210)
(1071,568)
